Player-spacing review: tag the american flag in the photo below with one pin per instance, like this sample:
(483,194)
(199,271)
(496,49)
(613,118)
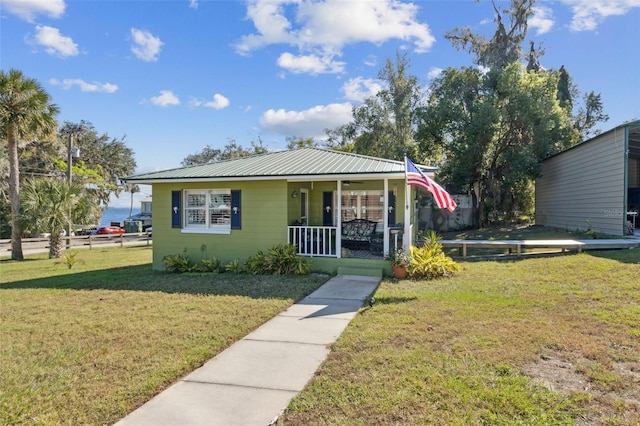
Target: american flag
(416,178)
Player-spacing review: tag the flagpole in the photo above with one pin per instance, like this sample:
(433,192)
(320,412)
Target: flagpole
(406,236)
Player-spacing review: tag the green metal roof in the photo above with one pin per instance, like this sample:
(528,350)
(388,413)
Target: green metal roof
(300,163)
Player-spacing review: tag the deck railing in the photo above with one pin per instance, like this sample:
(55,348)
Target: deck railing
(313,240)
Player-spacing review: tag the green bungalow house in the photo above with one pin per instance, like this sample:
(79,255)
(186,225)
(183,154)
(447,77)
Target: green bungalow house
(343,210)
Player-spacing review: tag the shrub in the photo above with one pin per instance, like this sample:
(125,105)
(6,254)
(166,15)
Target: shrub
(177,263)
(429,261)
(207,265)
(233,266)
(279,260)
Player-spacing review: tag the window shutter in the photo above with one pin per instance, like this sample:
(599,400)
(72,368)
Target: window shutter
(176,209)
(391,218)
(236,211)
(327,214)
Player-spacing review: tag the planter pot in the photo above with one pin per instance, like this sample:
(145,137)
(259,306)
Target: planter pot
(399,272)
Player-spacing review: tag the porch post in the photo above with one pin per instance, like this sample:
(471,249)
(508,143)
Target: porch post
(339,220)
(385,220)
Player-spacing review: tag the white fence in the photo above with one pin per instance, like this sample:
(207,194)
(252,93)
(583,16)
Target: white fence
(84,241)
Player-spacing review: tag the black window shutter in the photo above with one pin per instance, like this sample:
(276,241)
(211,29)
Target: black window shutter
(176,209)
(327,214)
(391,218)
(236,211)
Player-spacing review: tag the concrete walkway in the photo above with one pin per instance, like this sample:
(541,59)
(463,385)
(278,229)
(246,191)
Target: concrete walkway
(252,382)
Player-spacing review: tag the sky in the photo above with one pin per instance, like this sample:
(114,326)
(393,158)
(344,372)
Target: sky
(172,76)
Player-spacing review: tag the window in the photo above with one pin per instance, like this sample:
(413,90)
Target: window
(362,205)
(145,207)
(304,206)
(207,211)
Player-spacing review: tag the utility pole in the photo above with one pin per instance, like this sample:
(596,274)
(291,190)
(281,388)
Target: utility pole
(69,165)
(69,158)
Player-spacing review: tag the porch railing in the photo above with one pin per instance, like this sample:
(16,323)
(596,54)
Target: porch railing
(313,240)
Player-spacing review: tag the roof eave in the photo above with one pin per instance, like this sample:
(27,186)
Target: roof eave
(289,178)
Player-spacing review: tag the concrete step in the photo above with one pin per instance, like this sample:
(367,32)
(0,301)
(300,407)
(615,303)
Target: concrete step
(359,270)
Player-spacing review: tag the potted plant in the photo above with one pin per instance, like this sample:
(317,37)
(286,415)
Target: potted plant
(399,262)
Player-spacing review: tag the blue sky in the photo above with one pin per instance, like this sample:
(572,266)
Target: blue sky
(176,75)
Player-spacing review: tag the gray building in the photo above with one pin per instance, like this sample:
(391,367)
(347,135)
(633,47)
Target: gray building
(593,184)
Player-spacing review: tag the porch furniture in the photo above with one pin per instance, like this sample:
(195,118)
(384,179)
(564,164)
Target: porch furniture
(356,233)
(377,243)
(631,222)
(395,231)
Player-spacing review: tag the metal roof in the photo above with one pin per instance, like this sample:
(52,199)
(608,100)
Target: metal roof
(312,163)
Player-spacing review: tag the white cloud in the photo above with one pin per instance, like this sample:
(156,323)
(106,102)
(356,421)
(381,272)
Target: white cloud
(219,102)
(371,61)
(308,123)
(67,83)
(588,14)
(328,26)
(272,26)
(434,72)
(166,98)
(338,22)
(29,9)
(54,42)
(193,4)
(542,19)
(358,89)
(311,64)
(146,46)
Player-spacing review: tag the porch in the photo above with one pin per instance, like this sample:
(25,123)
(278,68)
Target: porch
(326,241)
(363,219)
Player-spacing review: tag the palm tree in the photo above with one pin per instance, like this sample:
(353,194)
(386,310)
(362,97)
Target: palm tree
(132,188)
(50,204)
(26,115)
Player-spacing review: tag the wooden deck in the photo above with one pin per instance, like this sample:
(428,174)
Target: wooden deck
(517,247)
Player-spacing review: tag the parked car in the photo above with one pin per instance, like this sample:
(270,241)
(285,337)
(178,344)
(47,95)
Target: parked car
(91,231)
(110,230)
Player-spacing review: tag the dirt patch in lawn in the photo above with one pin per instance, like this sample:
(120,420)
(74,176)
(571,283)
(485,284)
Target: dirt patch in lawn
(558,374)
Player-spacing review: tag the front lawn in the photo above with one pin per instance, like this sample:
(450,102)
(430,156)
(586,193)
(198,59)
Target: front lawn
(540,341)
(89,344)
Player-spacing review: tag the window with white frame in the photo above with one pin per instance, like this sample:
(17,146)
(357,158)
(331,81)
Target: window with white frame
(304,206)
(207,210)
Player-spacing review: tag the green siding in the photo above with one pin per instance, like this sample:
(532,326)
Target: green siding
(264,222)
(267,209)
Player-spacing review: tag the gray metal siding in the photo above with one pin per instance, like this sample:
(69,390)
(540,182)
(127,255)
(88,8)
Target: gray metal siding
(584,183)
(634,173)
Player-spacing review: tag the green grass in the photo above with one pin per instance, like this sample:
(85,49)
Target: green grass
(540,341)
(89,344)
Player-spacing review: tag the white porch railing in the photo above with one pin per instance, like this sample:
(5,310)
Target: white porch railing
(313,240)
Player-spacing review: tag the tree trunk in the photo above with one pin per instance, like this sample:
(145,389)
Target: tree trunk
(55,245)
(14,191)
